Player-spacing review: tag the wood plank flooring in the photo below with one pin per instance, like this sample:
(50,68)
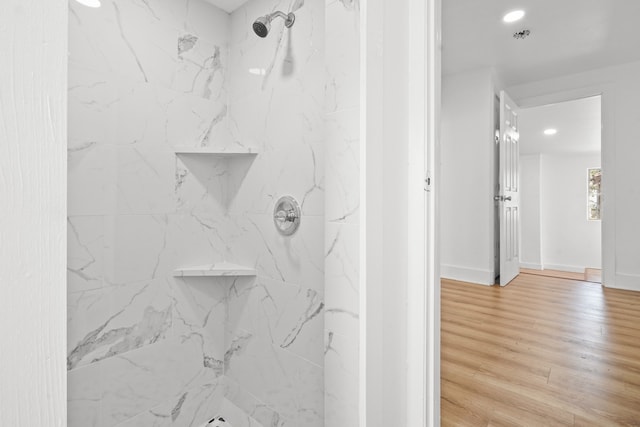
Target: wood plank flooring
(543,351)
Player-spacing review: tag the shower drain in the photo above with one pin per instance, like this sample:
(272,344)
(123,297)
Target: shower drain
(217,422)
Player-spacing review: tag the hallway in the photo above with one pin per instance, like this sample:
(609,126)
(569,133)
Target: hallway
(542,351)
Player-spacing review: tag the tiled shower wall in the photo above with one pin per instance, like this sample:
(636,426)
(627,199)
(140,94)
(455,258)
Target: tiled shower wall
(342,118)
(275,323)
(147,349)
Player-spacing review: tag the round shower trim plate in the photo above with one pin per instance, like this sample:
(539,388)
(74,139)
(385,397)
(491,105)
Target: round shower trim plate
(287,215)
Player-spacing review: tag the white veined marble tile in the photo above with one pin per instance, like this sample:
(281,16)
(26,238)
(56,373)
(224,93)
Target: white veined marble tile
(202,67)
(139,40)
(95,41)
(281,114)
(164,78)
(85,253)
(289,316)
(290,385)
(342,294)
(133,247)
(91,179)
(145,179)
(341,368)
(251,405)
(296,259)
(85,393)
(202,183)
(342,56)
(200,304)
(207,21)
(114,38)
(144,247)
(171,13)
(117,320)
(194,238)
(200,310)
(93,102)
(140,380)
(236,416)
(277,87)
(194,121)
(113,321)
(189,408)
(285,57)
(150,41)
(297,170)
(343,166)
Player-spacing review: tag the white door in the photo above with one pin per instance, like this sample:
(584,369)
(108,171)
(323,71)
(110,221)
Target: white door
(509,198)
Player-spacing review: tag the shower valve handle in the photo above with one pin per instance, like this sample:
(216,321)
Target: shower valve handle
(286,216)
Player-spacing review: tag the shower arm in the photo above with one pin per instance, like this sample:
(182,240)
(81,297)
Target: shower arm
(288,19)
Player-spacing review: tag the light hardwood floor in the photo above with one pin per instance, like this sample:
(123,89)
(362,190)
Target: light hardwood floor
(542,351)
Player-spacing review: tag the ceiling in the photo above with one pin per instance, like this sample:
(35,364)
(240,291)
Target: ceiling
(227,5)
(578,123)
(567,36)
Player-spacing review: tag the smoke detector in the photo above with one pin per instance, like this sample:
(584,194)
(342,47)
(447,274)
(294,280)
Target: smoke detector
(521,35)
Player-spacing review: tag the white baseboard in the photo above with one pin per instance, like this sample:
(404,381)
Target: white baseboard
(531,266)
(568,268)
(630,282)
(470,275)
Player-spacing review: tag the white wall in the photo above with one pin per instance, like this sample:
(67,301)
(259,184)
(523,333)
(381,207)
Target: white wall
(620,89)
(33,83)
(530,199)
(555,233)
(467,207)
(569,241)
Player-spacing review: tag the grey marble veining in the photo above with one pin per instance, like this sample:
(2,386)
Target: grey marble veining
(133,317)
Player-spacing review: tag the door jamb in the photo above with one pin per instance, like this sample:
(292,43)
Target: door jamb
(607,153)
(423,314)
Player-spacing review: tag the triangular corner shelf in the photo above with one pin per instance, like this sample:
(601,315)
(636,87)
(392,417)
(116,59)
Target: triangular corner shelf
(218,269)
(220,152)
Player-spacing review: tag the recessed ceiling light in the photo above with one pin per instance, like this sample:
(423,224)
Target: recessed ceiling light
(513,16)
(550,131)
(89,3)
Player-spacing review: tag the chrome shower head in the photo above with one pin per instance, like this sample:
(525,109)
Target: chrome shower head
(262,25)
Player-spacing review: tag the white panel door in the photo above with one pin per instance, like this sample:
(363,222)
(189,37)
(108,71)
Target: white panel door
(509,197)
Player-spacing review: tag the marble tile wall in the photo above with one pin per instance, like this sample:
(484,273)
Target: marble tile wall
(342,226)
(275,323)
(144,348)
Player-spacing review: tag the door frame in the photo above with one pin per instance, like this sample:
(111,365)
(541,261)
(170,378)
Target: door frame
(411,318)
(607,153)
(423,313)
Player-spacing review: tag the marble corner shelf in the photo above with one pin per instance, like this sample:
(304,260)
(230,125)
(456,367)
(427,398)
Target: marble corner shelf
(219,269)
(216,151)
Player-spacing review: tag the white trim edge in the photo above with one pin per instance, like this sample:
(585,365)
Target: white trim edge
(567,268)
(531,266)
(629,282)
(470,275)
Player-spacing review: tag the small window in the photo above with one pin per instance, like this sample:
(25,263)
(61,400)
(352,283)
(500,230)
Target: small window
(595,184)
